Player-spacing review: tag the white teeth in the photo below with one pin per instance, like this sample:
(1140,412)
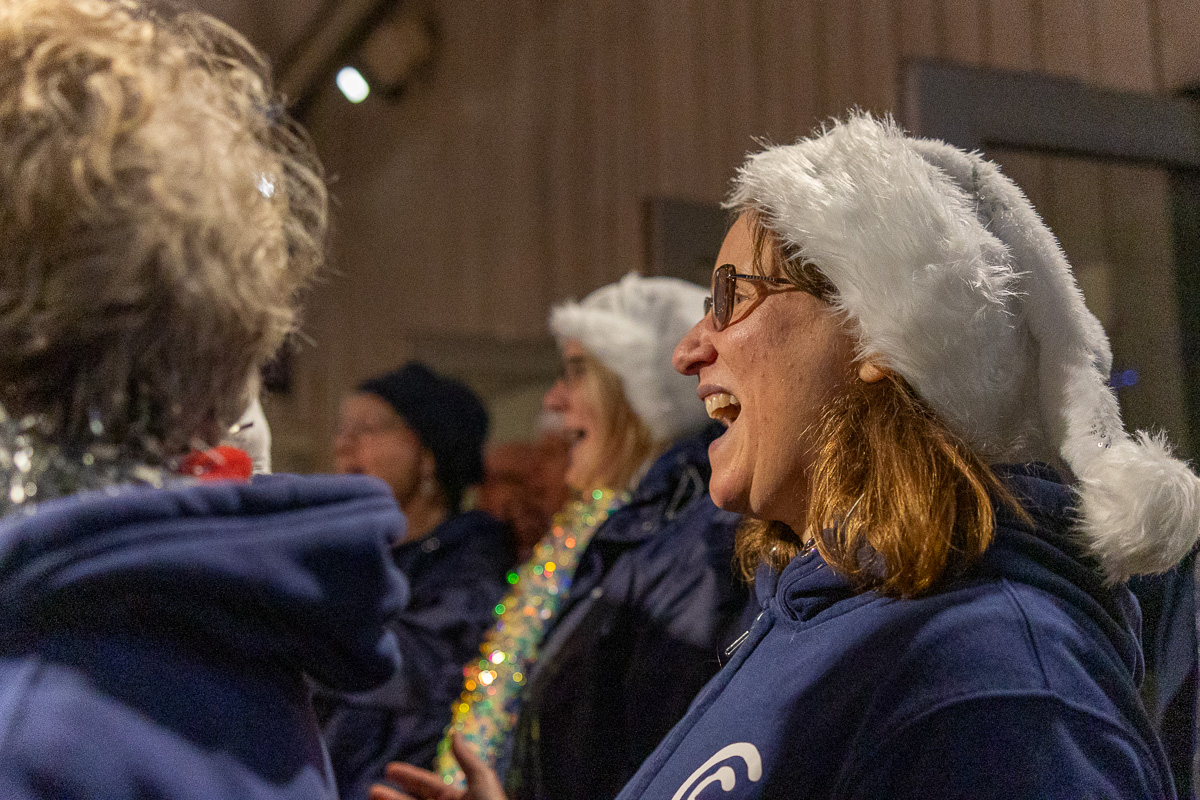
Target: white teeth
(722,405)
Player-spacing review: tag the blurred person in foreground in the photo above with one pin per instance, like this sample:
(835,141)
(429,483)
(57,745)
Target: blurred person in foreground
(423,434)
(898,348)
(158,216)
(621,615)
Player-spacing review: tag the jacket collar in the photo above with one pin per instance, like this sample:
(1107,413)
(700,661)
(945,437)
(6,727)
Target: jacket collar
(447,533)
(674,480)
(478,530)
(806,587)
(1047,556)
(665,473)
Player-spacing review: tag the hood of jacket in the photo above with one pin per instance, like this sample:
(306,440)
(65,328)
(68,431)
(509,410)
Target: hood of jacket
(1055,556)
(286,571)
(1050,555)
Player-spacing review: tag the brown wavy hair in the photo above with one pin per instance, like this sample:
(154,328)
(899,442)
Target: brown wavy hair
(159,215)
(897,501)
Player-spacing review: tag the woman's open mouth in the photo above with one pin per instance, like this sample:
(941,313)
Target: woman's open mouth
(722,406)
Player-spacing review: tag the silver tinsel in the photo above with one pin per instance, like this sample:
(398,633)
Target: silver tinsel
(33,469)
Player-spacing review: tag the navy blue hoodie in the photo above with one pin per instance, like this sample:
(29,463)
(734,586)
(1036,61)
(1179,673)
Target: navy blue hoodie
(1016,681)
(154,642)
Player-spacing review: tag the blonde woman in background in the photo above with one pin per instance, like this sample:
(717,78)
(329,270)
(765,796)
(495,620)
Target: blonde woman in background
(622,614)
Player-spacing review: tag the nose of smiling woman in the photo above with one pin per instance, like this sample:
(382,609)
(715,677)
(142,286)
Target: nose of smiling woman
(555,399)
(695,350)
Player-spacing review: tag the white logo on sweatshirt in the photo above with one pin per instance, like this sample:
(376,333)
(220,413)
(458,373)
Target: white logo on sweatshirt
(725,775)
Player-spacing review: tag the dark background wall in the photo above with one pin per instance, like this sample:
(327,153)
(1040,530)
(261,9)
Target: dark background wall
(515,170)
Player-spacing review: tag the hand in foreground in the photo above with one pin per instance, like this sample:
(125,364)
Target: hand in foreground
(421,784)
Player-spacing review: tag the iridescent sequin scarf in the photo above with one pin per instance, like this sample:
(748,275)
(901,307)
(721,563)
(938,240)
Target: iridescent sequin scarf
(492,687)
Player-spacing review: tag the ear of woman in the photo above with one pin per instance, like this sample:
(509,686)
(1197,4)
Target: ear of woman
(869,372)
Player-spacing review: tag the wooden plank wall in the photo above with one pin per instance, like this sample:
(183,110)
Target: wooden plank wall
(514,172)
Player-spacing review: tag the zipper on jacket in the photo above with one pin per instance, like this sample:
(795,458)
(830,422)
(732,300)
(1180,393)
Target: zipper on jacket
(729,651)
(739,641)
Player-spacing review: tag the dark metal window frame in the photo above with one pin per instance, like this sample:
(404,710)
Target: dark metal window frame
(979,108)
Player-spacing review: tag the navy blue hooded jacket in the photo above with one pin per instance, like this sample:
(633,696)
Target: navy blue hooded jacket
(456,576)
(154,642)
(1016,681)
(651,605)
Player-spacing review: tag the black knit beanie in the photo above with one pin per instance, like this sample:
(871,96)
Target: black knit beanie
(447,417)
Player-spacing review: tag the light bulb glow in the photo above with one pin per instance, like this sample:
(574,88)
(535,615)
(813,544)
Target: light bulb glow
(353,84)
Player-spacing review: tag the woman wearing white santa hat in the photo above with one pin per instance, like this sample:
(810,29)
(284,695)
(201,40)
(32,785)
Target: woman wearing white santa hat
(620,617)
(946,505)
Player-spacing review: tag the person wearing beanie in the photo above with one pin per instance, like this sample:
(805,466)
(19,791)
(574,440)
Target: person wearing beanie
(423,434)
(624,611)
(944,506)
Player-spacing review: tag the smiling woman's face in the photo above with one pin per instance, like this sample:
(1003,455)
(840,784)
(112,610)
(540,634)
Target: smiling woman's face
(766,376)
(575,397)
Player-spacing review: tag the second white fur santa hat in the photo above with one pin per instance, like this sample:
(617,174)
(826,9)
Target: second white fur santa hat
(632,327)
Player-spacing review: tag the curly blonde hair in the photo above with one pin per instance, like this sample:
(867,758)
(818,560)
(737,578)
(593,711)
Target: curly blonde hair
(159,215)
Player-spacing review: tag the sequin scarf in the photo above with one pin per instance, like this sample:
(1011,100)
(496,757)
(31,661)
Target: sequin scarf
(492,688)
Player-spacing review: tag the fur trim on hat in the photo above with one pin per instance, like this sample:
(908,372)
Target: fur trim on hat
(632,327)
(953,281)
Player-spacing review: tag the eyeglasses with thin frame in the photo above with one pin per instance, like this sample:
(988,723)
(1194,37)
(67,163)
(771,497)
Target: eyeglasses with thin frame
(572,369)
(724,292)
(356,431)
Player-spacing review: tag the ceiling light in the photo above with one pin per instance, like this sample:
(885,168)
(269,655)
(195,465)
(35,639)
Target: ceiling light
(353,84)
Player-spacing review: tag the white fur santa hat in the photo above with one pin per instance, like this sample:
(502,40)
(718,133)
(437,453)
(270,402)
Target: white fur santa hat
(953,281)
(632,327)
